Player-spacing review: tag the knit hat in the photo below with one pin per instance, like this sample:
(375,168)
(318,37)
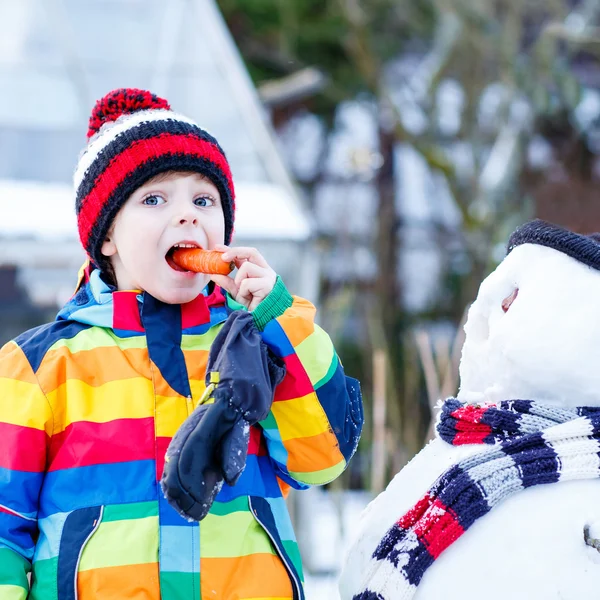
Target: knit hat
(133,136)
(584,248)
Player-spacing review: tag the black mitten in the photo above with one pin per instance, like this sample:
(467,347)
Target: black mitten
(212,444)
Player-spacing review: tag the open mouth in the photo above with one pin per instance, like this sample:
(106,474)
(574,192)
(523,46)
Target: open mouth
(169,256)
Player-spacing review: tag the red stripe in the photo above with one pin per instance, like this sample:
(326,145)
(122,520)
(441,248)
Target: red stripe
(126,312)
(84,443)
(217,298)
(469,429)
(415,513)
(162,443)
(9,512)
(296,382)
(438,528)
(22,448)
(257,444)
(194,313)
(134,156)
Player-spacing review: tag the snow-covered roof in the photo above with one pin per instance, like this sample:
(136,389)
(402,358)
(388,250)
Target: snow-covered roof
(181,50)
(46,211)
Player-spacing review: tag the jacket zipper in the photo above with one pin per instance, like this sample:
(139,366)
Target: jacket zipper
(281,556)
(85,543)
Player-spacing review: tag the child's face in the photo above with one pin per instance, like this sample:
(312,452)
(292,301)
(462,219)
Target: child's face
(170,209)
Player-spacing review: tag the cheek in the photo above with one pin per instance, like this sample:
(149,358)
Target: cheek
(215,229)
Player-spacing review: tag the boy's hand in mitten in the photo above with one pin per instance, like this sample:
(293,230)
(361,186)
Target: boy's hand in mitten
(212,444)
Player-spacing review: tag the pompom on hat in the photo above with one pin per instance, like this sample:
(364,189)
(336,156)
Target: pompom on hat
(134,135)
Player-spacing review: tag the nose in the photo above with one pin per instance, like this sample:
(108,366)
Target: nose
(186,218)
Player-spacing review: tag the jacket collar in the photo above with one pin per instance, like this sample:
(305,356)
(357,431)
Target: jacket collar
(98,304)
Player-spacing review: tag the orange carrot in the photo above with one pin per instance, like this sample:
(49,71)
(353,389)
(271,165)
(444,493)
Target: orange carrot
(202,261)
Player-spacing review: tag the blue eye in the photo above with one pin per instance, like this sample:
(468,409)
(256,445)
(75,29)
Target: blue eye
(153,200)
(204,201)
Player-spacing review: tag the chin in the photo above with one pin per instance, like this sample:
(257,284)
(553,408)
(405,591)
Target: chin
(178,296)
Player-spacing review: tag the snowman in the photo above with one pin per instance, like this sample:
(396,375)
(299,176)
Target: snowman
(505,502)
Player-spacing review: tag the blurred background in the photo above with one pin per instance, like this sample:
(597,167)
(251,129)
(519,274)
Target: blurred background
(383,151)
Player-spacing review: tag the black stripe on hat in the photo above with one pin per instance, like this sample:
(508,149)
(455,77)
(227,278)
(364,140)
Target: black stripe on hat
(585,249)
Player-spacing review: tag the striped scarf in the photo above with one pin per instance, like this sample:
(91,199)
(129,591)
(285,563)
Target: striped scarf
(531,443)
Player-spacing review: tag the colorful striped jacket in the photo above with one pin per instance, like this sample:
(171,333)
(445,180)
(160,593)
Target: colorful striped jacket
(88,405)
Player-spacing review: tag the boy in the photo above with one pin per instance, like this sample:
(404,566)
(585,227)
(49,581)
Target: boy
(89,403)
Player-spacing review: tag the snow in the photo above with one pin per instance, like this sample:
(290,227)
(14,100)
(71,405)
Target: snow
(545,346)
(50,212)
(539,543)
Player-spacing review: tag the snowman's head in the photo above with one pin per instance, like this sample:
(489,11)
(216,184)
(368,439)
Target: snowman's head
(534,331)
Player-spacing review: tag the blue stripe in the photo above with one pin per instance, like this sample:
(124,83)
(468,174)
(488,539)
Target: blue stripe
(19,490)
(274,335)
(537,462)
(78,527)
(282,519)
(169,516)
(179,549)
(36,342)
(277,451)
(461,495)
(97,485)
(341,399)
(162,323)
(257,479)
(17,534)
(50,532)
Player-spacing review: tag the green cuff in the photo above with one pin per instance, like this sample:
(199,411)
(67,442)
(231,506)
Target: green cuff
(273,306)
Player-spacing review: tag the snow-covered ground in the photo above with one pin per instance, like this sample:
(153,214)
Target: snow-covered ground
(326,522)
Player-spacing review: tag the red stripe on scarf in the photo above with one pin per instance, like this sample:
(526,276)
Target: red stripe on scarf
(469,429)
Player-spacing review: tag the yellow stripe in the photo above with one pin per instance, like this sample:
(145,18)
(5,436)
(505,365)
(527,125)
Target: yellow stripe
(24,404)
(320,477)
(233,535)
(171,412)
(200,342)
(300,417)
(97,337)
(315,354)
(14,592)
(197,386)
(125,399)
(119,543)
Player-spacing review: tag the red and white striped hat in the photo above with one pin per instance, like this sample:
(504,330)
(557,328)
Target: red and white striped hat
(133,136)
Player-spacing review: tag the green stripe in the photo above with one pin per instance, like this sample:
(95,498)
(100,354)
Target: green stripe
(136,510)
(44,580)
(200,342)
(320,477)
(179,586)
(13,570)
(269,422)
(237,534)
(119,543)
(293,552)
(98,337)
(332,369)
(226,508)
(274,305)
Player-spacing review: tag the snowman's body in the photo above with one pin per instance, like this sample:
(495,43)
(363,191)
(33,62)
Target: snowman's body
(546,348)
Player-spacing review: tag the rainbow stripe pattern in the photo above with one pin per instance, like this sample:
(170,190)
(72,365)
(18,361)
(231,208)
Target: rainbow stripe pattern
(88,406)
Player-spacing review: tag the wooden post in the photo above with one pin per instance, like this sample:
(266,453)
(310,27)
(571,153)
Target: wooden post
(379,405)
